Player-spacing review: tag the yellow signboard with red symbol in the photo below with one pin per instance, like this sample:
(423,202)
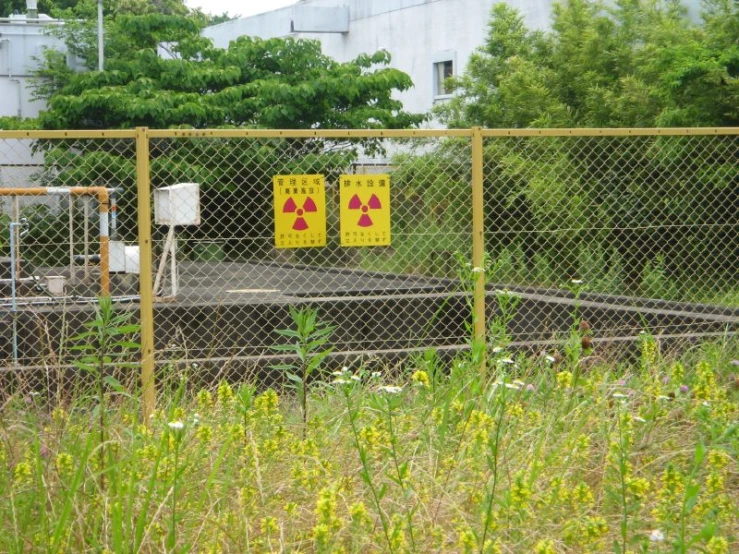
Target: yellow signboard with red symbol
(300,211)
(365,210)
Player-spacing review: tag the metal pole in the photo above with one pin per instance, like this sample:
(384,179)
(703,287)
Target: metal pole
(478,239)
(13,226)
(71,239)
(104,245)
(17,217)
(100,36)
(146,306)
(86,224)
(14,243)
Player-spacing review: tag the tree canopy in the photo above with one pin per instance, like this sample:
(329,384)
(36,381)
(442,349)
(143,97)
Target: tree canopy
(160,72)
(629,63)
(622,212)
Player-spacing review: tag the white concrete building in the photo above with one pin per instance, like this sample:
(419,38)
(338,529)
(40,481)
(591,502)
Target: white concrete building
(428,39)
(22,40)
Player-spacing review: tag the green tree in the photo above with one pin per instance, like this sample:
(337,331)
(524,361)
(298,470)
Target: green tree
(161,73)
(623,205)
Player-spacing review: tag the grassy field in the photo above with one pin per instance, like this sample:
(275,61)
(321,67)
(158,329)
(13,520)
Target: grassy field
(544,455)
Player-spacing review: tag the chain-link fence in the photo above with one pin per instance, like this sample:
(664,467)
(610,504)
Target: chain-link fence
(381,231)
(637,230)
(363,228)
(66,221)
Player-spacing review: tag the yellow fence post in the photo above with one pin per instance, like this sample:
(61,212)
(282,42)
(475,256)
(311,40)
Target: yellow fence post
(143,188)
(478,241)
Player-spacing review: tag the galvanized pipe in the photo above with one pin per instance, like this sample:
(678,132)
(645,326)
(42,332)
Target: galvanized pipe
(22,224)
(103,196)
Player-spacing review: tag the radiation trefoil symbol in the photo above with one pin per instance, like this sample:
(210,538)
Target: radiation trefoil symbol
(291,207)
(373,204)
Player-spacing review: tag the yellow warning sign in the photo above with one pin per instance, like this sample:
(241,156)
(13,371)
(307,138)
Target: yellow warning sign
(365,210)
(300,211)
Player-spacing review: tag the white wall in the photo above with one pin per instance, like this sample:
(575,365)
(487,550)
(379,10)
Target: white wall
(417,33)
(20,41)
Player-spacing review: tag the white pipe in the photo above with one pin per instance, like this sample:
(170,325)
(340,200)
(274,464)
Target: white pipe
(100,36)
(71,240)
(86,251)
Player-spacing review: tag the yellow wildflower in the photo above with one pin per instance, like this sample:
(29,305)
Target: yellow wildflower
(420,377)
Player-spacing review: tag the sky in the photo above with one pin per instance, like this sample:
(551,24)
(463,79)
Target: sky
(238,7)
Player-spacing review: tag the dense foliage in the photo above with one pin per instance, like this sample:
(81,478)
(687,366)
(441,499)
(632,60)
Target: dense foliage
(160,73)
(620,210)
(276,83)
(634,63)
(541,456)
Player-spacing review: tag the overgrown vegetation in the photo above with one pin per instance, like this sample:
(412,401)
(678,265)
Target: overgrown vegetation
(632,215)
(546,454)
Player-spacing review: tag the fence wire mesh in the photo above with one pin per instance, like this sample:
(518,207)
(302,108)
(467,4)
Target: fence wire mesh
(236,273)
(58,200)
(635,233)
(639,233)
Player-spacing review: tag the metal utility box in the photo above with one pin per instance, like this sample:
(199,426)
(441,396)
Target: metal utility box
(123,258)
(177,205)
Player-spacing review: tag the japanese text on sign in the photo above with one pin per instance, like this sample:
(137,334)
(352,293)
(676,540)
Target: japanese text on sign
(365,210)
(300,211)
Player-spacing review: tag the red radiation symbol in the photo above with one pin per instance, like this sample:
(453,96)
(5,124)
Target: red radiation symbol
(291,207)
(356,204)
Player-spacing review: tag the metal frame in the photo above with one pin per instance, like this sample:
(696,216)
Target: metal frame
(103,206)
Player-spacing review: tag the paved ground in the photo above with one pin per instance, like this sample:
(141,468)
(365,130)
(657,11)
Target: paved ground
(205,283)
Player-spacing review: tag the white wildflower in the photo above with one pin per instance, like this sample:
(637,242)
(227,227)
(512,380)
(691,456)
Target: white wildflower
(507,361)
(550,359)
(497,350)
(478,270)
(390,389)
(356,378)
(506,292)
(577,281)
(656,536)
(376,374)
(640,419)
(340,381)
(176,425)
(619,395)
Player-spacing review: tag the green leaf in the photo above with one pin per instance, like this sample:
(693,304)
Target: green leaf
(113,383)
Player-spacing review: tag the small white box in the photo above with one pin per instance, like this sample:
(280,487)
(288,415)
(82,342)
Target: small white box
(117,261)
(55,284)
(123,258)
(132,259)
(177,204)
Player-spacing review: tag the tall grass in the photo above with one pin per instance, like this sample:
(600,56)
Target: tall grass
(546,454)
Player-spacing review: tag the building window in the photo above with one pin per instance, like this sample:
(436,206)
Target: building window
(442,71)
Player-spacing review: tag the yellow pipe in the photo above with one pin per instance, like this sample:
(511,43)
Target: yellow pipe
(76,135)
(478,240)
(614,132)
(103,202)
(308,133)
(146,305)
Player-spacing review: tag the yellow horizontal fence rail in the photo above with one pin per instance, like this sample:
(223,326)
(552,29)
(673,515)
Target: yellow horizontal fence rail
(614,132)
(71,134)
(309,133)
